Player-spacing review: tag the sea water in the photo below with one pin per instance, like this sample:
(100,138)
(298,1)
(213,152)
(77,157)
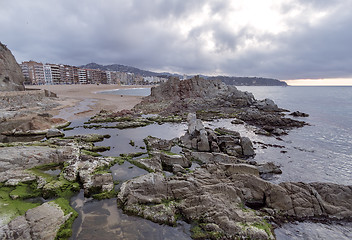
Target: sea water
(320,152)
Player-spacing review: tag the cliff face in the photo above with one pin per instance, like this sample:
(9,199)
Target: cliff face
(11,77)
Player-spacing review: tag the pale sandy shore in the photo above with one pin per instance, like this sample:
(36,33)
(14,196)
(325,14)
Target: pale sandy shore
(85,100)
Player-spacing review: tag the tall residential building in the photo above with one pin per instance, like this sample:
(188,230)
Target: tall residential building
(55,73)
(82,76)
(75,75)
(113,77)
(34,72)
(25,71)
(47,74)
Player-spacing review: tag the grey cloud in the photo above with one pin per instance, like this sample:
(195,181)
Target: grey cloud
(145,34)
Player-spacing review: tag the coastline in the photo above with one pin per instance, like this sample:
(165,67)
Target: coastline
(79,101)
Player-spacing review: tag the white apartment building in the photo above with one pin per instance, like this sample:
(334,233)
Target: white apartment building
(82,76)
(47,74)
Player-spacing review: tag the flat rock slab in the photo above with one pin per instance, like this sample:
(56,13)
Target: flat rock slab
(13,160)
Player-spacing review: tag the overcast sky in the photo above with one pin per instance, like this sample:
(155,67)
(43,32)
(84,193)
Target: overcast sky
(286,39)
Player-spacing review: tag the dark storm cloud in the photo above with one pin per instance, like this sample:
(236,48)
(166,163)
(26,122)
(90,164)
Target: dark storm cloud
(182,36)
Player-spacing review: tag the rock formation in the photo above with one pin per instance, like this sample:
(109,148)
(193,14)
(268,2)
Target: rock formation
(221,140)
(216,196)
(11,77)
(175,96)
(38,125)
(213,99)
(225,196)
(42,222)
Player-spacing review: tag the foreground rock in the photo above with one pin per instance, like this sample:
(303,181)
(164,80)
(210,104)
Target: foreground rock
(11,77)
(225,198)
(23,176)
(16,159)
(42,222)
(215,197)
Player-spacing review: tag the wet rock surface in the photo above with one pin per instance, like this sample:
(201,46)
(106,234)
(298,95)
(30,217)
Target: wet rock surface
(299,114)
(16,159)
(42,222)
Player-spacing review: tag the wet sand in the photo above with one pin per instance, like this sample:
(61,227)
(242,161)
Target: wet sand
(84,100)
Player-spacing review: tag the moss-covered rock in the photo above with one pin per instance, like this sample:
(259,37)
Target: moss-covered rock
(65,230)
(12,202)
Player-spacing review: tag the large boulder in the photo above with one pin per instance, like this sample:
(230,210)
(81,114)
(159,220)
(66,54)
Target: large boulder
(11,77)
(42,222)
(179,96)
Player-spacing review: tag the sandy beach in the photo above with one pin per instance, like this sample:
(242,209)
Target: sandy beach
(78,101)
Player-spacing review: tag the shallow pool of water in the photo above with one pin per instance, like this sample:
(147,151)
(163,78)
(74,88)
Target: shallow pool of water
(103,220)
(120,140)
(124,172)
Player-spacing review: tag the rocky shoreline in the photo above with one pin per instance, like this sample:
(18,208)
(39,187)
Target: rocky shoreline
(224,198)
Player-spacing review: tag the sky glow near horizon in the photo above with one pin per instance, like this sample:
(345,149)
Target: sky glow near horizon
(293,39)
(320,82)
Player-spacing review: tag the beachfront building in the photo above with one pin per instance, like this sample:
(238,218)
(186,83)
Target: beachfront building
(66,74)
(113,77)
(38,73)
(47,74)
(55,73)
(82,76)
(33,72)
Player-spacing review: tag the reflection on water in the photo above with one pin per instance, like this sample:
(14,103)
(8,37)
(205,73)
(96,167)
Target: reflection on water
(125,172)
(120,138)
(103,220)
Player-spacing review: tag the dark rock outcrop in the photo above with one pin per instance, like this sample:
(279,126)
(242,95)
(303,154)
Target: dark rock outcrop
(221,140)
(299,114)
(177,96)
(11,77)
(212,99)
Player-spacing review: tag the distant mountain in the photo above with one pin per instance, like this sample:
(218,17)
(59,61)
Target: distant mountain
(249,81)
(120,68)
(238,81)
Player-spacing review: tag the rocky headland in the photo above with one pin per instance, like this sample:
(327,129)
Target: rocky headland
(212,99)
